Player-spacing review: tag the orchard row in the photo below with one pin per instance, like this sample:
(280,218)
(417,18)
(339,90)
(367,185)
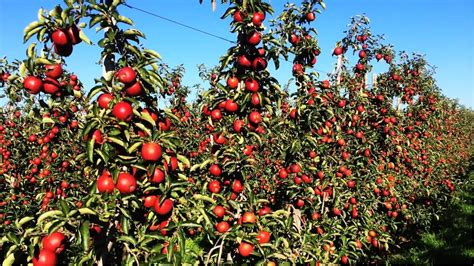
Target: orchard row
(339,171)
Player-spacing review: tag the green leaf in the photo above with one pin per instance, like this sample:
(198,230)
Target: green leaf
(134,147)
(90,149)
(40,15)
(181,244)
(94,20)
(257,137)
(22,69)
(56,226)
(208,221)
(33,32)
(43,61)
(84,37)
(117,141)
(30,51)
(125,20)
(71,213)
(26,32)
(182,177)
(56,11)
(194,167)
(145,116)
(228,12)
(84,259)
(87,211)
(184,160)
(85,235)
(171,115)
(13,238)
(103,156)
(125,213)
(190,225)
(202,197)
(152,53)
(48,214)
(128,239)
(127,135)
(205,163)
(24,220)
(47,120)
(280,212)
(115,3)
(88,128)
(133,32)
(144,128)
(64,207)
(9,260)
(64,14)
(125,223)
(77,94)
(3,240)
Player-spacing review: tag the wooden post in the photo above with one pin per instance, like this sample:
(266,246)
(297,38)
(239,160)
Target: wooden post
(374,80)
(366,80)
(338,69)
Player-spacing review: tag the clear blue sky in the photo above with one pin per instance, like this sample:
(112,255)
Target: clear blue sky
(443,30)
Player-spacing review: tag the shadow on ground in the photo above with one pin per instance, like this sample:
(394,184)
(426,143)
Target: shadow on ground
(451,240)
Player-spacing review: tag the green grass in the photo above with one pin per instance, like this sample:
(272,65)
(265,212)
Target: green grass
(451,240)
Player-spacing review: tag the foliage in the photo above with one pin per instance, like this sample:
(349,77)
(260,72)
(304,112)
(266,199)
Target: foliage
(449,241)
(340,171)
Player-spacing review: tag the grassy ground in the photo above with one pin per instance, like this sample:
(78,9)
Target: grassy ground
(451,241)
